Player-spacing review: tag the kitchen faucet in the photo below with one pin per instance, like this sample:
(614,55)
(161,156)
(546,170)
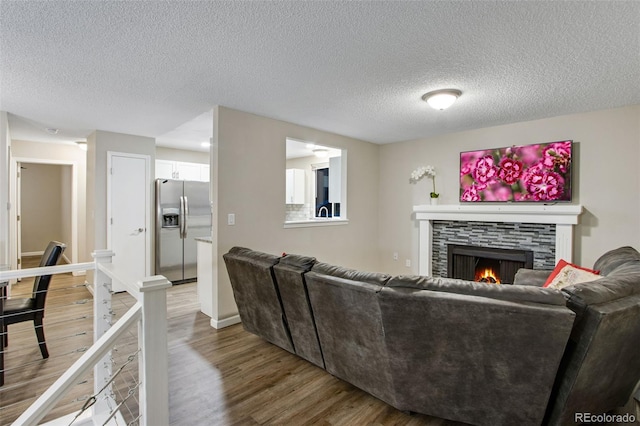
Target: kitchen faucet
(325,209)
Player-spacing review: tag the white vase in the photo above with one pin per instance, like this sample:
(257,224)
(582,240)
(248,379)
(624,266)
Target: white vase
(434,201)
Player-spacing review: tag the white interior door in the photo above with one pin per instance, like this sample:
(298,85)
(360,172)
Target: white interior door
(128,233)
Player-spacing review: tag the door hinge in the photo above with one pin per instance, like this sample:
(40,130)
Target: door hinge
(111,170)
(18,218)
(19,261)
(111,220)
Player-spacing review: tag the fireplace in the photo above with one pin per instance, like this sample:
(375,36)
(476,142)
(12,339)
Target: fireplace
(563,217)
(486,264)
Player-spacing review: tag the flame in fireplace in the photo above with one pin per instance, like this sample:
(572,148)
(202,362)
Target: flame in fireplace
(487,275)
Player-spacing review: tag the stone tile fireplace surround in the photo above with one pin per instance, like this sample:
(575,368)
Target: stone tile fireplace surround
(534,219)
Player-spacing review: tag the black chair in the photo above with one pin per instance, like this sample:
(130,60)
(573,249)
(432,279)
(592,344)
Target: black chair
(32,309)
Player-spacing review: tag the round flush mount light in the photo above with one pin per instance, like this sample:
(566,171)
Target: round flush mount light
(441,99)
(52,130)
(321,152)
(205,144)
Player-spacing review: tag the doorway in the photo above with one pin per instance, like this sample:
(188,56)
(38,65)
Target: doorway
(44,205)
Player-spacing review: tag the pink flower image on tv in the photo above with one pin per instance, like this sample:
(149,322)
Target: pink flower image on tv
(533,173)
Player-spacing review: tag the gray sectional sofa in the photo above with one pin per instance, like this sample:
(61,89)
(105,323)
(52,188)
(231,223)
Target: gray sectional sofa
(471,352)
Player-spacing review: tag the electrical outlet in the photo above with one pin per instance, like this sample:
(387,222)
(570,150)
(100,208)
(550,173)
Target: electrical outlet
(395,255)
(407,263)
(231,219)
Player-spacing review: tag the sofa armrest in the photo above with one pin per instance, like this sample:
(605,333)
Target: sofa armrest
(531,277)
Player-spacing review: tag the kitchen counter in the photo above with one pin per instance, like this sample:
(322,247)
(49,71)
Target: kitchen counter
(205,275)
(209,294)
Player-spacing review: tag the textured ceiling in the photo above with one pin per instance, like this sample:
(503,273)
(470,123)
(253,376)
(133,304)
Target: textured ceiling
(353,68)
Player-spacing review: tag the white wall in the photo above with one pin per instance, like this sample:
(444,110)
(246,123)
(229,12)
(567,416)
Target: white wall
(248,177)
(99,143)
(606,179)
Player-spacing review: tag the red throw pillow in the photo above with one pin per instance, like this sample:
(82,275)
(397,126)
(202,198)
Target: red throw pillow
(561,264)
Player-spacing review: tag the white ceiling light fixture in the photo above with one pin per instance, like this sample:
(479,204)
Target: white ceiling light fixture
(321,153)
(205,144)
(441,99)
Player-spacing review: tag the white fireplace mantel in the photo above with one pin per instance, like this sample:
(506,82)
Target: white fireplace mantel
(564,216)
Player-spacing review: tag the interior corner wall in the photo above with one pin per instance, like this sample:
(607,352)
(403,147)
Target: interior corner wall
(606,179)
(250,183)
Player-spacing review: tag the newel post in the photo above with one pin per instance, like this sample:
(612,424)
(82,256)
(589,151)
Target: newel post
(102,316)
(154,363)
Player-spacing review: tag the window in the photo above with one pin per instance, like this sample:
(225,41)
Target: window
(315,184)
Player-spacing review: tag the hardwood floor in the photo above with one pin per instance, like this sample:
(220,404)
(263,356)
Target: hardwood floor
(216,377)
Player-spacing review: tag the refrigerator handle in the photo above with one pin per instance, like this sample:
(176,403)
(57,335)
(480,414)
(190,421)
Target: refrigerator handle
(186,216)
(182,217)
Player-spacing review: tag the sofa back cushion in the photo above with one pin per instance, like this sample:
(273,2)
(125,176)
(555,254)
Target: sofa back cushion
(290,275)
(350,328)
(375,278)
(513,293)
(257,296)
(612,259)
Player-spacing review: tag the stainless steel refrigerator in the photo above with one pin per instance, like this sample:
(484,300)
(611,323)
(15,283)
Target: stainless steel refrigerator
(183,213)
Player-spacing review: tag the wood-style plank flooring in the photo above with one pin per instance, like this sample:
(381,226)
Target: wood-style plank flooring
(216,377)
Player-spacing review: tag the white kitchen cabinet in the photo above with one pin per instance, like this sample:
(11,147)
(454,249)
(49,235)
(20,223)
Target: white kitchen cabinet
(188,171)
(167,169)
(295,190)
(204,173)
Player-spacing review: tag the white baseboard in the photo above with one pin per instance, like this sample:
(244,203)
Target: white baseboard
(32,253)
(225,322)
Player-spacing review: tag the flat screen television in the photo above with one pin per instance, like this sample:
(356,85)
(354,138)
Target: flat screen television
(529,173)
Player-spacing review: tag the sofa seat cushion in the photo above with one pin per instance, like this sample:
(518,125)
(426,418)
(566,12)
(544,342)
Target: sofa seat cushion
(512,293)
